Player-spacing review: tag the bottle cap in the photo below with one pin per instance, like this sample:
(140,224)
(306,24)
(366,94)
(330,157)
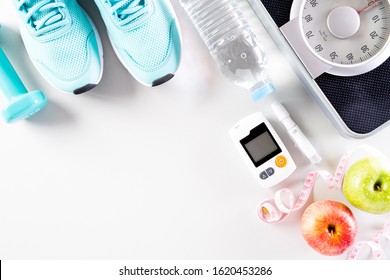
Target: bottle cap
(260,92)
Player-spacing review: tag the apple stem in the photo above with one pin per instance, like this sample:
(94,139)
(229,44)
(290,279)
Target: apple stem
(332,230)
(378,186)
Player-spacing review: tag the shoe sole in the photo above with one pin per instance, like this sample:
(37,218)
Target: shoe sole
(162,80)
(89,87)
(158,81)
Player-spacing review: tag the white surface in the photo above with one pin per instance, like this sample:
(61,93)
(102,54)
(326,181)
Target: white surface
(130,172)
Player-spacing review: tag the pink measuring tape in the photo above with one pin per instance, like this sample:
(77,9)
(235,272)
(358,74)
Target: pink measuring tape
(275,210)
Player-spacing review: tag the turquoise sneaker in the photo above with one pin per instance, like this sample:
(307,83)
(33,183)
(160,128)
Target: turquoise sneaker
(145,36)
(62,42)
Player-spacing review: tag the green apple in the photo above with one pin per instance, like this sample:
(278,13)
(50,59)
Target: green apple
(367,185)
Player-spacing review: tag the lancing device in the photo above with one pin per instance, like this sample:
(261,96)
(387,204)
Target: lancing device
(296,133)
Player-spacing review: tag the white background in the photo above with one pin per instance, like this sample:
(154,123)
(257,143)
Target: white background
(130,172)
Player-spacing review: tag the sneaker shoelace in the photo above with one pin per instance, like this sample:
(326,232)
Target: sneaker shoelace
(43,15)
(128,10)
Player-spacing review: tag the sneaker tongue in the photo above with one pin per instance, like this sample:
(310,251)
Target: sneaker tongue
(128,6)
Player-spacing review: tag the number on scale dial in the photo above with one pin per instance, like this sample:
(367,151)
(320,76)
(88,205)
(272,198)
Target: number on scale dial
(350,35)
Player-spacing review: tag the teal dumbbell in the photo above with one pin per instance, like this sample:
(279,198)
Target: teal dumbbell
(22,104)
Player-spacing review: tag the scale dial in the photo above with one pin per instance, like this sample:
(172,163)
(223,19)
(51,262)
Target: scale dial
(352,36)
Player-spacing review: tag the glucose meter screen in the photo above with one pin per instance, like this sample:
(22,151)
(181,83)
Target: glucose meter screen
(260,145)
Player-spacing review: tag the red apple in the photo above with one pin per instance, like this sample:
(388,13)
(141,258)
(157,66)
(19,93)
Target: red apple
(329,227)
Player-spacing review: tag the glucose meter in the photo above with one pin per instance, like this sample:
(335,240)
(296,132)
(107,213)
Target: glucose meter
(262,149)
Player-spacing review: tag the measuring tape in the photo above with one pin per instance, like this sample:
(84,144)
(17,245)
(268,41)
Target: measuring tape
(373,244)
(275,210)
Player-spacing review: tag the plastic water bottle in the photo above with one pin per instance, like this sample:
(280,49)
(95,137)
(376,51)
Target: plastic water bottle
(231,42)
